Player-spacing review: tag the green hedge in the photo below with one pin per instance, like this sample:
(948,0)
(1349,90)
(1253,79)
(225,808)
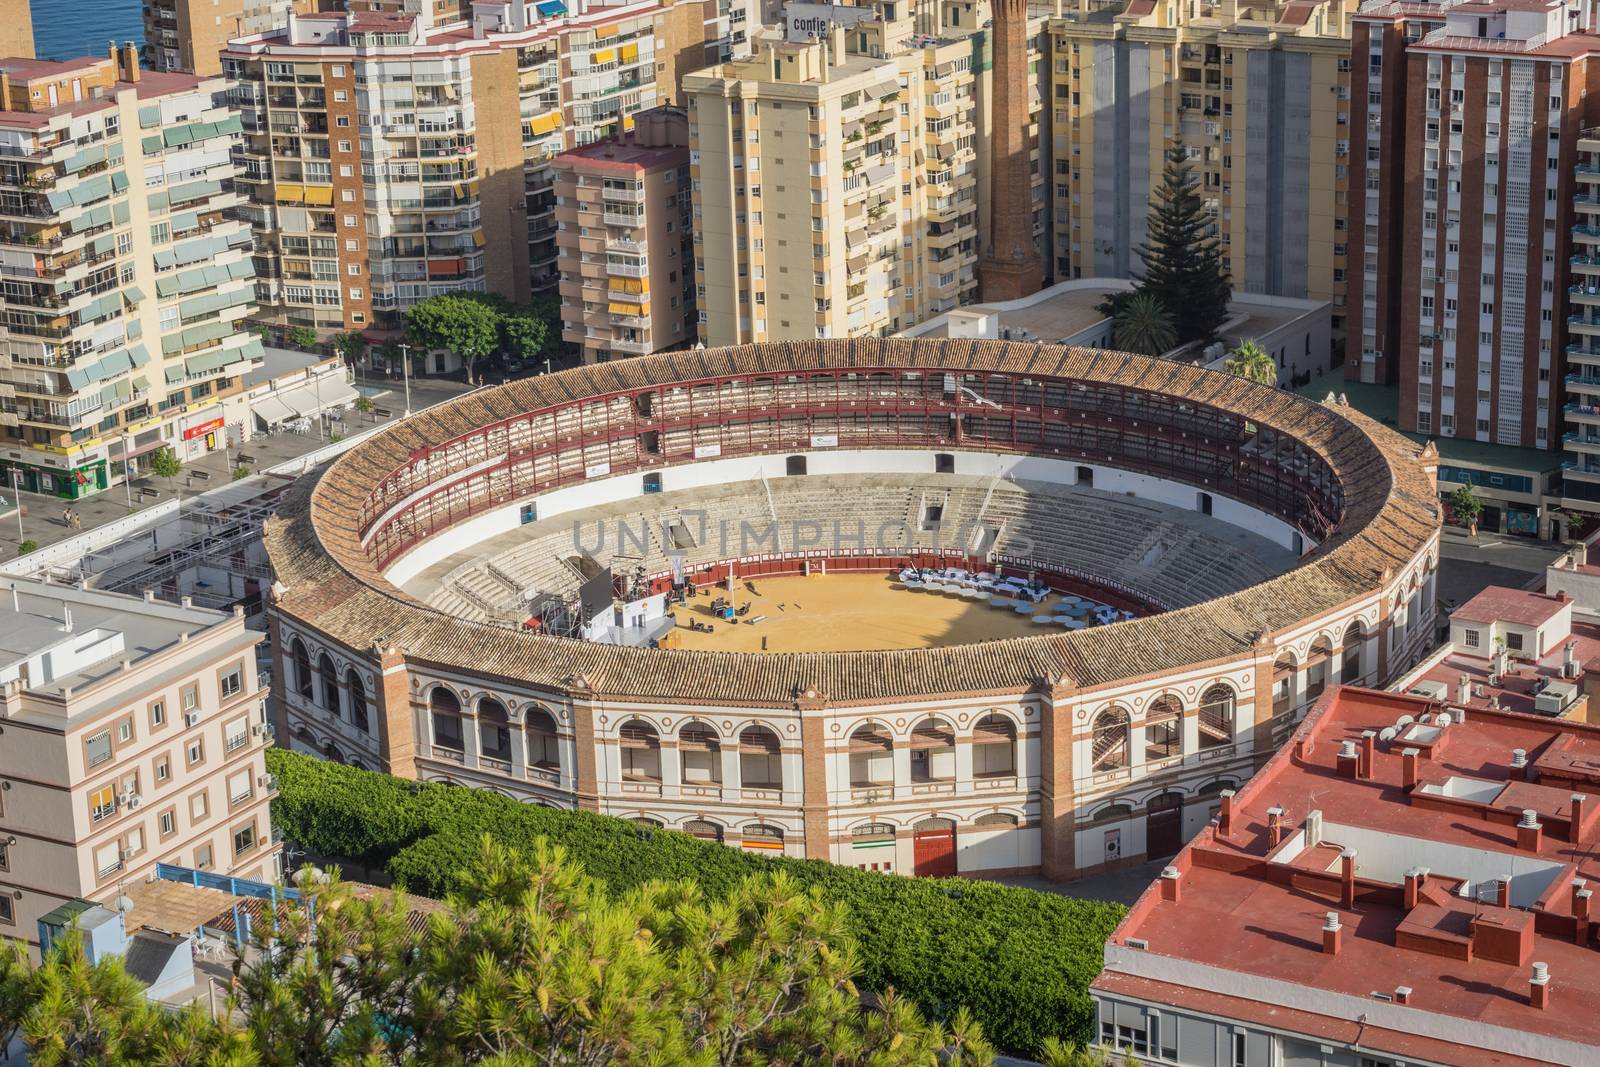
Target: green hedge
(1022,960)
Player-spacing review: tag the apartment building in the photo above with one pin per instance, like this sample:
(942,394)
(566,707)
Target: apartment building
(835,184)
(1462,203)
(390,158)
(1259,97)
(623,226)
(188,36)
(1580,474)
(134,735)
(127,274)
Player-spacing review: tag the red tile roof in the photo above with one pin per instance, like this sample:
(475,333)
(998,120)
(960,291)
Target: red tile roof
(1247,924)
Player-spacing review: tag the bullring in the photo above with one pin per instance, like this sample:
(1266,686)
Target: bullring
(1064,753)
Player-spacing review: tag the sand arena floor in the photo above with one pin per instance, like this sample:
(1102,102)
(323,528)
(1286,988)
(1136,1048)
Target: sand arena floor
(847,613)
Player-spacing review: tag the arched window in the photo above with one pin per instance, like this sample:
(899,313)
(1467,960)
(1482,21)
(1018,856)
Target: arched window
(762,836)
(356,690)
(1284,669)
(994,747)
(995,820)
(1351,657)
(871,756)
(1319,668)
(641,752)
(1163,728)
(933,751)
(446,714)
(872,835)
(329,675)
(1216,717)
(701,754)
(1110,743)
(544,743)
(760,761)
(1113,813)
(494,730)
(302,668)
(703,829)
(645,822)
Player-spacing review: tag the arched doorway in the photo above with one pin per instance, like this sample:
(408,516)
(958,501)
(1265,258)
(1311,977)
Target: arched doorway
(1163,825)
(934,848)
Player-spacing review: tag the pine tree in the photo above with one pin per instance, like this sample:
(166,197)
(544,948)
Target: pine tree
(1183,262)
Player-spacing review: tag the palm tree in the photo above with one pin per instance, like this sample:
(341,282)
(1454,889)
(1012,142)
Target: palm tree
(1252,361)
(1143,325)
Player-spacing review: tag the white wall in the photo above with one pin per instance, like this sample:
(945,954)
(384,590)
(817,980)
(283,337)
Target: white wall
(609,490)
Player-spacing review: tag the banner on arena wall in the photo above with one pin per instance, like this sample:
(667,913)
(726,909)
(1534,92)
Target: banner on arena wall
(824,440)
(707,451)
(597,470)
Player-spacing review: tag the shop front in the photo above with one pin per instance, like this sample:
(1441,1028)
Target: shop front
(71,483)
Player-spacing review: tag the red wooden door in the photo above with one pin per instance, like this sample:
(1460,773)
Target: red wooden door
(934,849)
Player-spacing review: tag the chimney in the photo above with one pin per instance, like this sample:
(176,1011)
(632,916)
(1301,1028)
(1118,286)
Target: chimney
(1408,767)
(1402,994)
(1225,814)
(66,617)
(1171,886)
(16,597)
(1530,835)
(836,44)
(1414,879)
(1580,913)
(1313,828)
(1348,760)
(1519,763)
(1369,742)
(1502,894)
(1347,877)
(1539,986)
(130,63)
(1464,689)
(1580,554)
(1274,826)
(1579,803)
(1332,934)
(1569,660)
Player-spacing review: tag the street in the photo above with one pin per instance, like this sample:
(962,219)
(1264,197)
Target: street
(43,523)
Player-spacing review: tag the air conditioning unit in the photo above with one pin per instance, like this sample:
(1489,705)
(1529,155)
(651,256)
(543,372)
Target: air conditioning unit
(130,799)
(191,718)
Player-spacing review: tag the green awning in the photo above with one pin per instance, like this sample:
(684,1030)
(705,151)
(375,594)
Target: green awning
(139,356)
(119,181)
(152,144)
(150,116)
(158,203)
(132,294)
(193,191)
(174,373)
(184,221)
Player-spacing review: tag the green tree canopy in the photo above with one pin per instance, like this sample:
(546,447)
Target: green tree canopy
(1184,264)
(534,963)
(1465,505)
(1252,361)
(465,324)
(164,463)
(350,345)
(1143,325)
(303,337)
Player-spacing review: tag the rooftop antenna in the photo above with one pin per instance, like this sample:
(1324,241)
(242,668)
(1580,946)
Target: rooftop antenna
(16,598)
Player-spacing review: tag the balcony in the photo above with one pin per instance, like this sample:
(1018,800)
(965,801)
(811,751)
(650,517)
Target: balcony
(1588,443)
(1584,469)
(624,245)
(1587,325)
(638,348)
(627,270)
(1585,414)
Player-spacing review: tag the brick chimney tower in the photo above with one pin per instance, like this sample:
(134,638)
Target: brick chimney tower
(1010,267)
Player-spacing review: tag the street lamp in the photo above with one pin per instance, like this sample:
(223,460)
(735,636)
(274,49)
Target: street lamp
(405,370)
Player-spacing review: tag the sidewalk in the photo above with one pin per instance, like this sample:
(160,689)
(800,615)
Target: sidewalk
(43,523)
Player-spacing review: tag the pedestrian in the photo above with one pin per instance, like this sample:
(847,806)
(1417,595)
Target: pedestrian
(77,521)
(66,517)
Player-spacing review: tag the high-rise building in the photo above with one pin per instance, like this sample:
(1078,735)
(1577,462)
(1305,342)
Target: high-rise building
(623,227)
(1580,476)
(1461,203)
(128,273)
(135,733)
(390,159)
(188,36)
(1257,95)
(836,184)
